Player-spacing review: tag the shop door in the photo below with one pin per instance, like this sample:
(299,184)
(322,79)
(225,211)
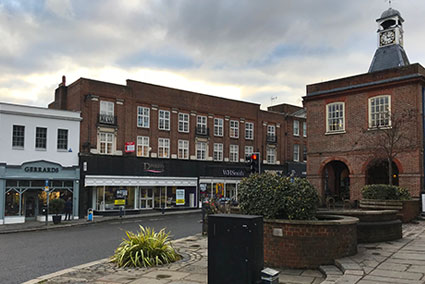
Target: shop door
(146,198)
(30,205)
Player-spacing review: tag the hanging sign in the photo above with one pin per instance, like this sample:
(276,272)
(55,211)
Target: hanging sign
(130,147)
(180,197)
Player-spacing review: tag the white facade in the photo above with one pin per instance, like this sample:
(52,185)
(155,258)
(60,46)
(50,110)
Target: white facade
(31,118)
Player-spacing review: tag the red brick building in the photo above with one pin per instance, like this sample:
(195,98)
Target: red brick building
(345,115)
(155,146)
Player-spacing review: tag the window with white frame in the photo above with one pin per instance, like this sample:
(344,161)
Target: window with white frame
(271,130)
(164,120)
(335,117)
(184,122)
(218,127)
(379,111)
(271,155)
(249,130)
(218,152)
(234,153)
(201,150)
(62,142)
(18,136)
(143,117)
(296,153)
(106,143)
(106,112)
(305,153)
(183,149)
(201,124)
(163,148)
(305,129)
(40,138)
(142,146)
(106,108)
(296,128)
(234,129)
(248,151)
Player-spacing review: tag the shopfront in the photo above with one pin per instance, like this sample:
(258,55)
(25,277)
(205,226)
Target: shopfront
(111,193)
(24,189)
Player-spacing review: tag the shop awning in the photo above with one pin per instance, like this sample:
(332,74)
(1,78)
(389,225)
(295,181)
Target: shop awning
(139,181)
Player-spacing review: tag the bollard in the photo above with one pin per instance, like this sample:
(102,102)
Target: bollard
(90,214)
(121,211)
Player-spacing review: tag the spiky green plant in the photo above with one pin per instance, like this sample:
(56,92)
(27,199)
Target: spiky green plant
(144,249)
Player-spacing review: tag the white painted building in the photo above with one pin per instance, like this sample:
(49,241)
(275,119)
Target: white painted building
(38,154)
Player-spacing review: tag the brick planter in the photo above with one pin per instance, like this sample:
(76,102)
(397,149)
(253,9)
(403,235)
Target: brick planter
(309,244)
(374,225)
(408,210)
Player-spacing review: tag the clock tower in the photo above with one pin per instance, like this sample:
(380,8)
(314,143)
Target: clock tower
(390,52)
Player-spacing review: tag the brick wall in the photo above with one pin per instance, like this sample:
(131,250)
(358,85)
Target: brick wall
(308,245)
(352,147)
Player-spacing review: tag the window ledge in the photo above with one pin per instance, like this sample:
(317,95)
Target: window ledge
(379,128)
(63,150)
(335,132)
(41,149)
(18,148)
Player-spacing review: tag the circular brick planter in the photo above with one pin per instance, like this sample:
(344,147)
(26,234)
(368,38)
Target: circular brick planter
(408,210)
(374,225)
(309,244)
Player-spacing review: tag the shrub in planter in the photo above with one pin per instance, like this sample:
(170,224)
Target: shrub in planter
(145,248)
(56,206)
(385,192)
(276,197)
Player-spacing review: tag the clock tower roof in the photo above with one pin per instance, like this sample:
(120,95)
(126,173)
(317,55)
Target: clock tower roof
(389,13)
(390,52)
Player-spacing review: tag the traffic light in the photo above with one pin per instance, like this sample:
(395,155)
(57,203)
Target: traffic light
(255,163)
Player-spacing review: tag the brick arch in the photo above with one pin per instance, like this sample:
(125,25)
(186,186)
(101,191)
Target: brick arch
(367,163)
(331,159)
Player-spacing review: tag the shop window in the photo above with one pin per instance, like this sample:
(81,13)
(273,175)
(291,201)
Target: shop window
(18,136)
(62,139)
(111,198)
(13,204)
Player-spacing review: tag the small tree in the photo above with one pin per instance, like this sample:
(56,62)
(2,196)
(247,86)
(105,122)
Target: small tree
(390,136)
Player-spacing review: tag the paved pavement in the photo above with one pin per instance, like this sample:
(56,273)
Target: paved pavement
(401,261)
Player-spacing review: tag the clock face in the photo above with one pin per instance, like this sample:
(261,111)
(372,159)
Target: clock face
(387,37)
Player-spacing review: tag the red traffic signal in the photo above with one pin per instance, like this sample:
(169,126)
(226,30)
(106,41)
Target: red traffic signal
(254,157)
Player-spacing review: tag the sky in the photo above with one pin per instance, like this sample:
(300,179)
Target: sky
(258,51)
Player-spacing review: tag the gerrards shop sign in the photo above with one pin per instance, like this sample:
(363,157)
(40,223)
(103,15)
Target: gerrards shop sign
(41,169)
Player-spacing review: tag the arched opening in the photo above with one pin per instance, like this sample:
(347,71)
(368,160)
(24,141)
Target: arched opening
(377,172)
(336,180)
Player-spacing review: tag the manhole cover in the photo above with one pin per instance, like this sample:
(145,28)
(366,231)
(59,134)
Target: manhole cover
(162,276)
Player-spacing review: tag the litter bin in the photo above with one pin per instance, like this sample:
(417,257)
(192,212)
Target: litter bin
(90,214)
(269,276)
